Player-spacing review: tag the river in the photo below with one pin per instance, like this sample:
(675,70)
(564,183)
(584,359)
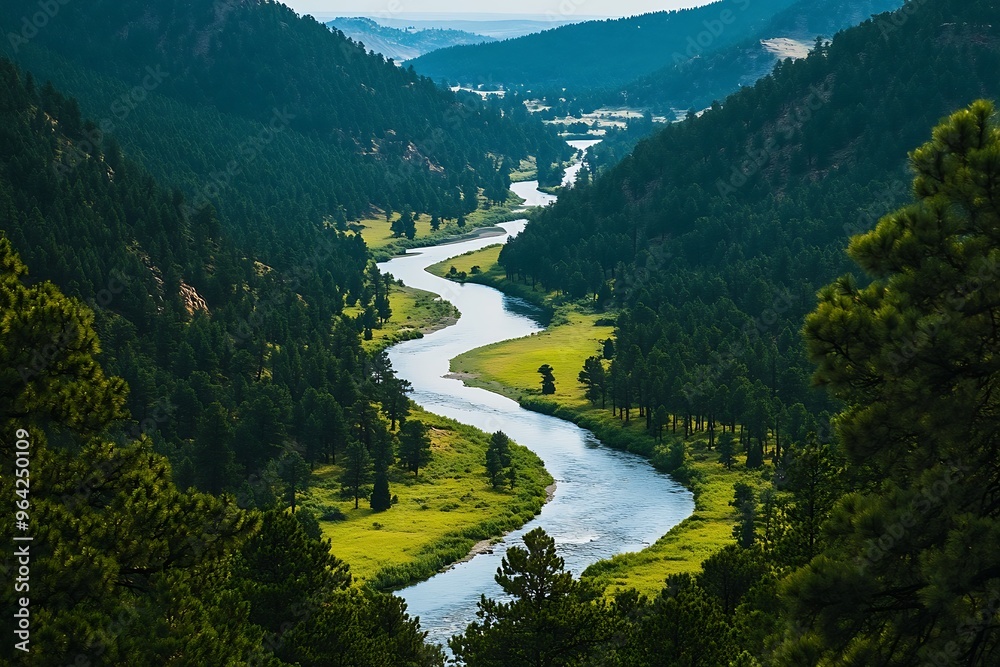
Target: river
(606,501)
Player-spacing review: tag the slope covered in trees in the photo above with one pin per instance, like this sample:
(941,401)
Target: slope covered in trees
(126,568)
(878,549)
(228,359)
(694,84)
(717,232)
(600,54)
(273,119)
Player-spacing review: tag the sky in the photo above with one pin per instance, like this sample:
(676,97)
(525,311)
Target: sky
(409,8)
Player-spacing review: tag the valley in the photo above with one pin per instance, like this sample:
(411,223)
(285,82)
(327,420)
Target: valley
(660,337)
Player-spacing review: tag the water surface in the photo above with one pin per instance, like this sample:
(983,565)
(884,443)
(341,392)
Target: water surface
(606,501)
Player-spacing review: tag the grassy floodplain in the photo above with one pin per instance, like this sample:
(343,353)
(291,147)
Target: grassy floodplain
(415,312)
(441,513)
(446,511)
(377,230)
(573,334)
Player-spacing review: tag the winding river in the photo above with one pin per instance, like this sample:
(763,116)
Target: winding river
(606,501)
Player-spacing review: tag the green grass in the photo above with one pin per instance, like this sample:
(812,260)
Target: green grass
(414,313)
(441,514)
(685,547)
(526,171)
(377,231)
(510,368)
(493,275)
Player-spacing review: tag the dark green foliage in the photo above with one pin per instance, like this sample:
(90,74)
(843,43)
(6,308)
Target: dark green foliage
(725,446)
(294,473)
(552,620)
(745,502)
(309,523)
(593,377)
(908,574)
(414,446)
(381,497)
(548,379)
(358,469)
(499,463)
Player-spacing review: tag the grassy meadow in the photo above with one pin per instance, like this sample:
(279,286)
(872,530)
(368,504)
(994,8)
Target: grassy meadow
(440,515)
(574,333)
(377,230)
(415,312)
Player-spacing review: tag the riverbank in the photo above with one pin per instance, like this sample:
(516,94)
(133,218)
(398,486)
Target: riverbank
(440,516)
(415,313)
(383,244)
(573,334)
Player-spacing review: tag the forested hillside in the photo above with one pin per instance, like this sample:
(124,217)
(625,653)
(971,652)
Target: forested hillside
(717,232)
(694,84)
(872,540)
(697,82)
(599,54)
(127,567)
(273,119)
(226,358)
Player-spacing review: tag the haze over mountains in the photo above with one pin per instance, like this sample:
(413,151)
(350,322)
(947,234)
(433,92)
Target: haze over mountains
(600,53)
(403,44)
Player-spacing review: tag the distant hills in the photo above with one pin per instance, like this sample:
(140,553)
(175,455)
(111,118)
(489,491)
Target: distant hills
(696,82)
(600,54)
(498,26)
(402,44)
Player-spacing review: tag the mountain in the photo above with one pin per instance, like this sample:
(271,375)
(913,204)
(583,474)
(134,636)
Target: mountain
(497,26)
(402,44)
(726,225)
(791,33)
(272,118)
(600,54)
(695,83)
(190,366)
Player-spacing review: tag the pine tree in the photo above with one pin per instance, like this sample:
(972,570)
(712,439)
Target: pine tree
(357,471)
(910,573)
(498,458)
(381,498)
(552,620)
(414,445)
(548,379)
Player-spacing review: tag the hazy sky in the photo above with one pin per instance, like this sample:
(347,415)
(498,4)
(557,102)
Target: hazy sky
(405,8)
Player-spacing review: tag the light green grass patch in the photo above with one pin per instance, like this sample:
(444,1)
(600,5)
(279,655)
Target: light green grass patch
(440,514)
(510,368)
(378,235)
(415,312)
